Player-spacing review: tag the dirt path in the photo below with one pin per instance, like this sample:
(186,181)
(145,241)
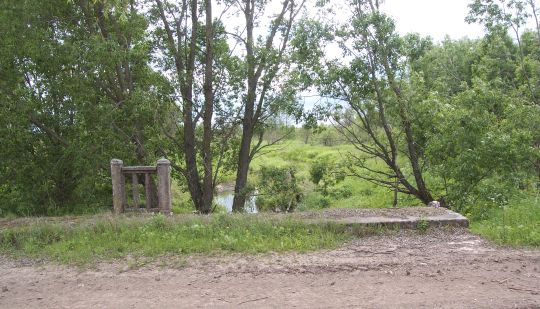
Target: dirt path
(452,269)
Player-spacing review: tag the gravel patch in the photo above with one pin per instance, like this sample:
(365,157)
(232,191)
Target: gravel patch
(401,213)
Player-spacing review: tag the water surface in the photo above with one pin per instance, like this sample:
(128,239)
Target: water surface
(225,199)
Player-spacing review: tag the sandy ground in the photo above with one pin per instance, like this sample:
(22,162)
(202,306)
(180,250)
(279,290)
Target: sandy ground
(439,269)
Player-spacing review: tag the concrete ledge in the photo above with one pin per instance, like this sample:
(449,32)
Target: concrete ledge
(441,217)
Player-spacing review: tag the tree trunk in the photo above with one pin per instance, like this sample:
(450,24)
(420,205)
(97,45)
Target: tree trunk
(244,155)
(243,168)
(192,173)
(395,202)
(306,136)
(247,122)
(202,193)
(422,193)
(208,184)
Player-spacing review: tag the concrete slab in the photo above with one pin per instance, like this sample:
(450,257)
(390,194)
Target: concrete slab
(390,217)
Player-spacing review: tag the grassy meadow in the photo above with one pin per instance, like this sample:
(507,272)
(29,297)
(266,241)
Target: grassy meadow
(359,193)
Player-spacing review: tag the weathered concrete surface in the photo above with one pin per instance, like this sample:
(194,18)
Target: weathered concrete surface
(388,217)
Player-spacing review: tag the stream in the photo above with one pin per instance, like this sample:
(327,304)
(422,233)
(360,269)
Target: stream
(225,199)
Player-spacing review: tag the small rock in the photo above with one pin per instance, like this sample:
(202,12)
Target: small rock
(331,284)
(408,273)
(435,204)
(158,279)
(5,289)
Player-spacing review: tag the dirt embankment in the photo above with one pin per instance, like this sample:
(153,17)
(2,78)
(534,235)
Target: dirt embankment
(434,270)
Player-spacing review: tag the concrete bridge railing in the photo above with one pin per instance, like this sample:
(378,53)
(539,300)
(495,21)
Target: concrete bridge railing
(162,170)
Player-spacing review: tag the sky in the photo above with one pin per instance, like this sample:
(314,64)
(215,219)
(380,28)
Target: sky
(435,18)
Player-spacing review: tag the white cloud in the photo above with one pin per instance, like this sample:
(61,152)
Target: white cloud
(436,18)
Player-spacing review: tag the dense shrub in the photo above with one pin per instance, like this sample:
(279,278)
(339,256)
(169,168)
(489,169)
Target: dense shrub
(278,189)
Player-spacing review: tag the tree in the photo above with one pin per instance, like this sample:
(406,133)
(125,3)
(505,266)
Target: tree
(265,60)
(181,42)
(375,86)
(500,18)
(76,92)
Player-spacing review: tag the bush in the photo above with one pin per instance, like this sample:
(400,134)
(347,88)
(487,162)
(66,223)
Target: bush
(315,200)
(340,192)
(325,174)
(329,137)
(278,189)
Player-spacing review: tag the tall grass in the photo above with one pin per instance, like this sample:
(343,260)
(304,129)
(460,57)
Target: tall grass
(517,224)
(110,238)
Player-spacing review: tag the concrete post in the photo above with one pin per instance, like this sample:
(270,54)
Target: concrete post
(148,189)
(135,189)
(117,186)
(164,185)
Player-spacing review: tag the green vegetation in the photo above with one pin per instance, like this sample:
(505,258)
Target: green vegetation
(456,121)
(278,189)
(422,225)
(349,192)
(517,224)
(105,238)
